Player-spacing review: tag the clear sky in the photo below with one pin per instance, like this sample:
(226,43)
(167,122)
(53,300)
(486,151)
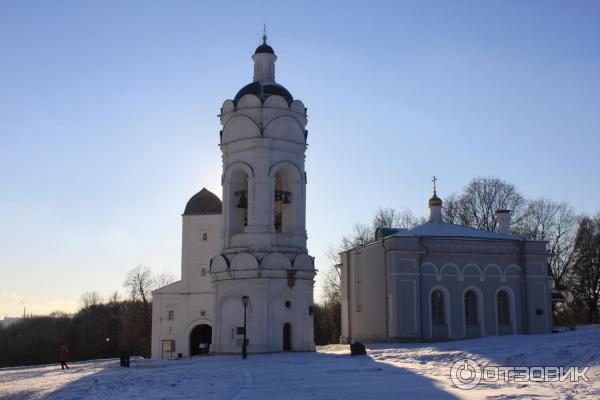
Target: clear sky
(108,119)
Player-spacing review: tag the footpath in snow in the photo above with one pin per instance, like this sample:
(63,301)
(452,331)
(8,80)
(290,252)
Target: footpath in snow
(390,371)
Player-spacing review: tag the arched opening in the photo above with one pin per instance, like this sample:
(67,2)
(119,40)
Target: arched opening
(503,316)
(200,339)
(287,337)
(472,322)
(286,195)
(439,326)
(238,202)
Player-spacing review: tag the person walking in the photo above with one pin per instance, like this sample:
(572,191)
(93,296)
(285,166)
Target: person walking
(64,356)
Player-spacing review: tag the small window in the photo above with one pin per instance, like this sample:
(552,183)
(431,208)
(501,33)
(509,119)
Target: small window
(288,304)
(471,308)
(437,308)
(503,306)
(171,315)
(202,313)
(204,236)
(203,271)
(539,311)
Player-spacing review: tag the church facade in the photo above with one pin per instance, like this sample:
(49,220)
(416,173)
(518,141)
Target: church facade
(442,281)
(252,244)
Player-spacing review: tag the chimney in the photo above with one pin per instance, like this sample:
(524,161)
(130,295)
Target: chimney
(503,221)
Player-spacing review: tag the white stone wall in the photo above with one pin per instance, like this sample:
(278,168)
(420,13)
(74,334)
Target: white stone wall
(266,314)
(196,252)
(260,141)
(265,144)
(192,298)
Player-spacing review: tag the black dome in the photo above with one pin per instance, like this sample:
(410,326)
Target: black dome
(264,89)
(203,202)
(264,48)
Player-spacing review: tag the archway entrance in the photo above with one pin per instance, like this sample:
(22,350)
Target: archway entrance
(287,337)
(200,339)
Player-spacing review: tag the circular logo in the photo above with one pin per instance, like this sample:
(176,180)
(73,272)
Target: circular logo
(465,374)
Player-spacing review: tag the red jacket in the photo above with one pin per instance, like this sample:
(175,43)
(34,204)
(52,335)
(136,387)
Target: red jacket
(64,353)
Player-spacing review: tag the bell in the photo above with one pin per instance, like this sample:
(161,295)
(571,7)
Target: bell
(243,203)
(286,199)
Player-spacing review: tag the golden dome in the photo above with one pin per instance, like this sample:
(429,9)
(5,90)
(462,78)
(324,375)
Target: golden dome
(435,201)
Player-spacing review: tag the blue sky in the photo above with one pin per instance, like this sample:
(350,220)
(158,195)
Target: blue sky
(108,119)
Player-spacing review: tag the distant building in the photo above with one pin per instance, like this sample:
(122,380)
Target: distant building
(8,321)
(444,281)
(251,244)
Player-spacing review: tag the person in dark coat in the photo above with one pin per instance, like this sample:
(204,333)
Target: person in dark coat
(64,356)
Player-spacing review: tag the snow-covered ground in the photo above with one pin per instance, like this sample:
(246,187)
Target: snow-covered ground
(390,371)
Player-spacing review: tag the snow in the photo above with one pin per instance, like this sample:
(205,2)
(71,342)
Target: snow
(390,371)
(440,230)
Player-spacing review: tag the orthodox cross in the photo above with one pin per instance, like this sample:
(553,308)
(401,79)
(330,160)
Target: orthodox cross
(434,180)
(264,33)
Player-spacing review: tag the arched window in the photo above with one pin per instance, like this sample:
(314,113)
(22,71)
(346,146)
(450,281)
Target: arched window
(238,202)
(437,308)
(471,314)
(503,304)
(286,195)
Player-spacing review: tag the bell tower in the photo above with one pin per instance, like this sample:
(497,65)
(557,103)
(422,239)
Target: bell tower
(264,255)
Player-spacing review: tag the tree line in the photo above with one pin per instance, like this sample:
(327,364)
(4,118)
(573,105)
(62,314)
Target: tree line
(573,246)
(101,328)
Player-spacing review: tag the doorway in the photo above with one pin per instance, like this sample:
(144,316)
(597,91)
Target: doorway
(287,337)
(200,339)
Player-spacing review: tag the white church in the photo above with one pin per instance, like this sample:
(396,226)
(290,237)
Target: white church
(252,245)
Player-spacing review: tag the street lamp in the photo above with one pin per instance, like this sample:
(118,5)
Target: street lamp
(245,302)
(108,346)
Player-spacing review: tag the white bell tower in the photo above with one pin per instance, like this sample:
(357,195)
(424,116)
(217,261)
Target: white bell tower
(264,257)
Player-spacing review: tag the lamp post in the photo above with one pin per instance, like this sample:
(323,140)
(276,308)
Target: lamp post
(245,302)
(108,346)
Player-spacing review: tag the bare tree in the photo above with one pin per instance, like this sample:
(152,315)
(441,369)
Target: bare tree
(139,282)
(162,279)
(89,299)
(451,208)
(586,269)
(333,285)
(476,206)
(557,224)
(115,298)
(361,234)
(392,218)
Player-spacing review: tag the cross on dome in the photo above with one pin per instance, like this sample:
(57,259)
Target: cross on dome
(435,200)
(264,47)
(264,37)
